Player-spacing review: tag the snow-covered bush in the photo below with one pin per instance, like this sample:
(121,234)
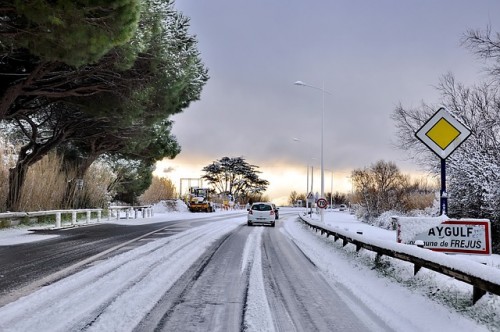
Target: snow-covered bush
(385,219)
(170,205)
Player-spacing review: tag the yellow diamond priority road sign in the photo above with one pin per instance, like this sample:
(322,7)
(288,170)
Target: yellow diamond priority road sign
(443,133)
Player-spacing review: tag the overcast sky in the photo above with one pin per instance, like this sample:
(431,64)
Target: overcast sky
(370,55)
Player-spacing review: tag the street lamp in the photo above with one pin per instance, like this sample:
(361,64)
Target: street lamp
(323,91)
(296,139)
(331,192)
(331,188)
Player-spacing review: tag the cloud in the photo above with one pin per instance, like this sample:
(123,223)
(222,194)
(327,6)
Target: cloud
(370,55)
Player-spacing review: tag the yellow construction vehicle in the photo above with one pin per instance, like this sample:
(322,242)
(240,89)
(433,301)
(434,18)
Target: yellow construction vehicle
(198,200)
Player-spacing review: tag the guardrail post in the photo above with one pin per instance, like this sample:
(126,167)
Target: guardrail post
(117,214)
(127,213)
(58,219)
(477,293)
(135,213)
(144,212)
(98,215)
(73,217)
(87,220)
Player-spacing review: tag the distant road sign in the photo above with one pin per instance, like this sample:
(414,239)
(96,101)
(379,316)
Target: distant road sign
(443,133)
(322,203)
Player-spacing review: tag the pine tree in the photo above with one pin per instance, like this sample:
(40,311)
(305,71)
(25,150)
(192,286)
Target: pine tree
(235,177)
(120,101)
(76,32)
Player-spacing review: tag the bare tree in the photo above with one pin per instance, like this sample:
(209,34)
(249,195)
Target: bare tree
(474,168)
(382,187)
(486,45)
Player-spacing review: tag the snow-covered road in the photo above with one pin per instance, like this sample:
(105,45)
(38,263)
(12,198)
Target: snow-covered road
(115,294)
(225,276)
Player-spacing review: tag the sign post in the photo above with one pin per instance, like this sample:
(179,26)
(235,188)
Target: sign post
(443,134)
(443,201)
(310,200)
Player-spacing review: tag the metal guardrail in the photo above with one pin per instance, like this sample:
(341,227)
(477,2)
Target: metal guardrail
(482,278)
(145,210)
(130,212)
(56,213)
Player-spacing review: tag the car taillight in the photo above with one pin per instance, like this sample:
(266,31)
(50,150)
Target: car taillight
(250,212)
(272,212)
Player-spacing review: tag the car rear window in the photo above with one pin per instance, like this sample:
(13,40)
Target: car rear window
(261,207)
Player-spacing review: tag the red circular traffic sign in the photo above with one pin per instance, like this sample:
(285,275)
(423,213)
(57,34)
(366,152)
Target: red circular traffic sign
(322,203)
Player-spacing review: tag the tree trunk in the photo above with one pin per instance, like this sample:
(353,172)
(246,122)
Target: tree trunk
(72,193)
(28,155)
(17,176)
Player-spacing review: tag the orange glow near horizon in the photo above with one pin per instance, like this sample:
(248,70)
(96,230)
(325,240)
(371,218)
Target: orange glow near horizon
(283,178)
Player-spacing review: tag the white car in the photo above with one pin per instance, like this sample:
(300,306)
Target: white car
(261,213)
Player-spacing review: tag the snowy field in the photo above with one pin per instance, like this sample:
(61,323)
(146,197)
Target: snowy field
(425,302)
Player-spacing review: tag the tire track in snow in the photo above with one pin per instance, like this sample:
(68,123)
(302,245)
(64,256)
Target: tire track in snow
(160,314)
(119,287)
(257,314)
(127,303)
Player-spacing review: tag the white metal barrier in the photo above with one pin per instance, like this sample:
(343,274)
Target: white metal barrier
(145,210)
(57,213)
(14,218)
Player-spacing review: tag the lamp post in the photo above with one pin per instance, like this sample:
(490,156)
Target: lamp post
(331,187)
(295,139)
(331,193)
(323,91)
(307,189)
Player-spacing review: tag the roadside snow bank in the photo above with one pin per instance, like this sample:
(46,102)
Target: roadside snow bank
(388,280)
(171,205)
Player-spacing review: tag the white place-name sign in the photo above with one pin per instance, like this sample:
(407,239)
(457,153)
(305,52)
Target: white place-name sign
(458,236)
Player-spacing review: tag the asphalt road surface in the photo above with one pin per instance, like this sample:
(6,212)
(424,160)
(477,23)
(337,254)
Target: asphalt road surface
(26,267)
(248,279)
(214,294)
